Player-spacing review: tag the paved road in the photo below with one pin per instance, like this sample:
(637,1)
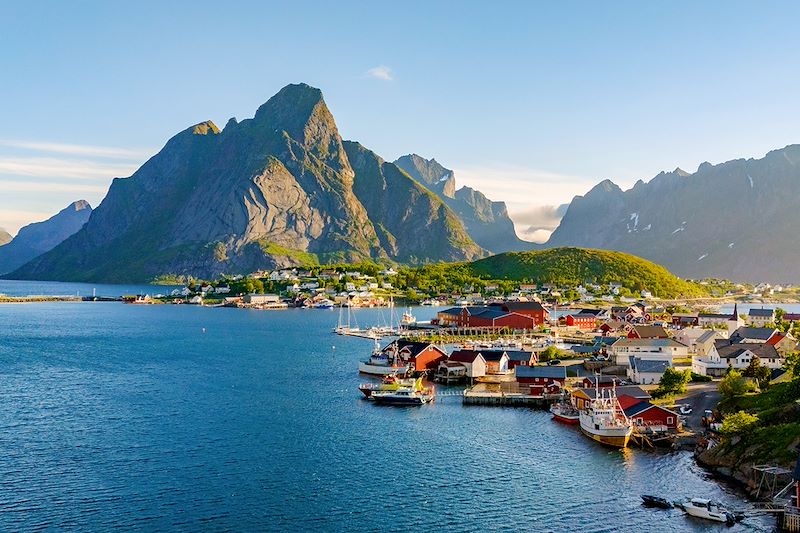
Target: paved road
(700,396)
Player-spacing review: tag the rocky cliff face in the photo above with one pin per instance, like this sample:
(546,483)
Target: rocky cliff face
(735,220)
(260,193)
(40,237)
(487,222)
(5,237)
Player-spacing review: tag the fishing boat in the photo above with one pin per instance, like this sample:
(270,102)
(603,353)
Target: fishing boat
(604,421)
(656,501)
(390,382)
(408,319)
(416,394)
(384,362)
(565,413)
(709,510)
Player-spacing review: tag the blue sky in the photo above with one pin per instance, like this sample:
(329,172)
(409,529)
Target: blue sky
(530,102)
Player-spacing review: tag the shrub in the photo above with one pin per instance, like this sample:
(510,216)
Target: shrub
(738,423)
(699,378)
(732,385)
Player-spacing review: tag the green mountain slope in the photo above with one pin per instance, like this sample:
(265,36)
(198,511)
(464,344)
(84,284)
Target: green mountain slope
(570,267)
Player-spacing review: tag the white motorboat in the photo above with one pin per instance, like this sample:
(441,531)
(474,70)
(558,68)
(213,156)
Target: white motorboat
(709,510)
(413,395)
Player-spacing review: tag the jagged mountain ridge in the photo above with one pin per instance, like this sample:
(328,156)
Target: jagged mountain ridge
(5,237)
(261,193)
(733,220)
(40,237)
(487,222)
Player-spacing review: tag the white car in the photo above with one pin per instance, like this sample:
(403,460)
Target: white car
(685,409)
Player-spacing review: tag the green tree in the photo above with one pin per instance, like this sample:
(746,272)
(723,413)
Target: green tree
(672,382)
(733,384)
(738,423)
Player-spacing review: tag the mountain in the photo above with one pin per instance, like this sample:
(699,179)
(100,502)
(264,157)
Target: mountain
(487,222)
(275,190)
(5,237)
(40,237)
(734,220)
(574,266)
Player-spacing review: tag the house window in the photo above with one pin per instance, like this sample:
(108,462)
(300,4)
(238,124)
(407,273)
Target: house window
(669,420)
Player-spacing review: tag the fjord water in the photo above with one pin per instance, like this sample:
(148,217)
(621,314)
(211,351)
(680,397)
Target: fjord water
(180,417)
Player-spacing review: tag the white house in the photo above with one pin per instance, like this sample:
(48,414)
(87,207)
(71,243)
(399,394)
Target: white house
(261,298)
(698,340)
(760,317)
(647,371)
(650,349)
(472,360)
(737,355)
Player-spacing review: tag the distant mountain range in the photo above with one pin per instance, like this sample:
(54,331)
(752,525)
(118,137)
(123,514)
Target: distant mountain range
(279,189)
(736,220)
(5,237)
(40,237)
(487,222)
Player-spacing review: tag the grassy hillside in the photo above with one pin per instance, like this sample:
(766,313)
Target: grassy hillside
(573,266)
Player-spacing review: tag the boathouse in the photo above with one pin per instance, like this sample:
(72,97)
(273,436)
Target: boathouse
(541,379)
(520,357)
(496,362)
(472,360)
(423,356)
(646,415)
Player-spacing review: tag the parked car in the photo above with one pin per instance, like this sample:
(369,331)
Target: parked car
(685,409)
(554,362)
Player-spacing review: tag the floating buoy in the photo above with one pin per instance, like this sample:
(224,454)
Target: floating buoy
(204,330)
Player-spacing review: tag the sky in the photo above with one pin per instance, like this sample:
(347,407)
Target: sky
(530,102)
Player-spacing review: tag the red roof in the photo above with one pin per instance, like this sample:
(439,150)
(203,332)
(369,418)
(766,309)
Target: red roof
(775,339)
(626,401)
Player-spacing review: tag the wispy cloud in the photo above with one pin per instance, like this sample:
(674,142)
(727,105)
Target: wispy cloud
(381,72)
(36,175)
(49,167)
(79,149)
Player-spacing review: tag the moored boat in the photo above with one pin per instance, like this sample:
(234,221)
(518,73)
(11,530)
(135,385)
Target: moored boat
(565,413)
(416,394)
(604,421)
(709,510)
(384,363)
(390,383)
(656,501)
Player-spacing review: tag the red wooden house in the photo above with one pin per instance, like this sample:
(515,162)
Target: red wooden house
(422,355)
(582,321)
(541,379)
(648,414)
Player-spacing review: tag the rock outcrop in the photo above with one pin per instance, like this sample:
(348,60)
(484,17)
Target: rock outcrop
(270,191)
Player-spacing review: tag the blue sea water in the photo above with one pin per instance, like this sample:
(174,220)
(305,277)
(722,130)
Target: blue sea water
(186,418)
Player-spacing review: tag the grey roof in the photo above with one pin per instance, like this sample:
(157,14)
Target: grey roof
(623,341)
(554,372)
(650,366)
(523,306)
(762,350)
(761,312)
(707,336)
(743,332)
(490,313)
(518,355)
(651,332)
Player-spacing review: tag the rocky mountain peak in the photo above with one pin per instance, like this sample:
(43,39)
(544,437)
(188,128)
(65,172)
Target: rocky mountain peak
(205,128)
(5,237)
(430,173)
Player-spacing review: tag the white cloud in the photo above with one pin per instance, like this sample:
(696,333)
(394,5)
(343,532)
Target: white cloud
(381,72)
(49,167)
(38,186)
(79,149)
